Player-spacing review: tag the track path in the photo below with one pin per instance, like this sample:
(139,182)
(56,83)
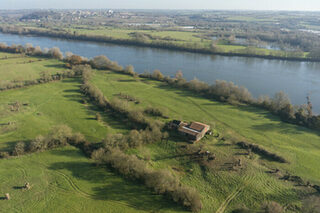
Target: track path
(234,194)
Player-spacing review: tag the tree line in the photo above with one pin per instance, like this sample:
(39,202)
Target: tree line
(223,91)
(161,181)
(164,44)
(28,49)
(45,77)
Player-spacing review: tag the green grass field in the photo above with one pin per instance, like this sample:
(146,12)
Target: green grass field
(63,180)
(298,145)
(14,68)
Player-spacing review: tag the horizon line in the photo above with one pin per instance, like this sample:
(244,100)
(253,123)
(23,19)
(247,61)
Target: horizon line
(162,9)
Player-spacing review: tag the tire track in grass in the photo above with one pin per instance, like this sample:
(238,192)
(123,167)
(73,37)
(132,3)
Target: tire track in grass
(82,193)
(226,202)
(233,195)
(87,195)
(74,186)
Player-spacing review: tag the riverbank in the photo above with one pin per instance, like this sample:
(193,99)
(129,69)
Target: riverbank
(260,76)
(220,50)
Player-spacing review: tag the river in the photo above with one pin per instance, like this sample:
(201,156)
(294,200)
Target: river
(260,76)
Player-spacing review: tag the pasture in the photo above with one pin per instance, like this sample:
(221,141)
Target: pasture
(64,179)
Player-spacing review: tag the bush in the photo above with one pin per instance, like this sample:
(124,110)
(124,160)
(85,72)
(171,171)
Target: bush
(102,62)
(162,182)
(55,53)
(311,205)
(272,207)
(4,154)
(38,144)
(130,70)
(19,149)
(157,75)
(259,150)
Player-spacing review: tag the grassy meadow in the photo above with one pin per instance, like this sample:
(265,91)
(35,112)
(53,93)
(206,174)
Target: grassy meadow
(298,145)
(15,67)
(64,180)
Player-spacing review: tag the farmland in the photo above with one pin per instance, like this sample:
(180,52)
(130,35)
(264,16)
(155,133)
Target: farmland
(64,179)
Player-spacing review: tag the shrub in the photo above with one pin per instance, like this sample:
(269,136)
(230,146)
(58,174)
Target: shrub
(259,150)
(130,70)
(162,182)
(19,149)
(74,59)
(102,62)
(311,205)
(272,207)
(59,136)
(38,144)
(4,154)
(157,75)
(77,138)
(98,116)
(55,53)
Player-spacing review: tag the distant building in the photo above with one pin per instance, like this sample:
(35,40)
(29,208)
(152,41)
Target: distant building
(194,131)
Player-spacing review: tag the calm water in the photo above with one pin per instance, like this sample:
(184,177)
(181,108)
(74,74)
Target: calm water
(260,76)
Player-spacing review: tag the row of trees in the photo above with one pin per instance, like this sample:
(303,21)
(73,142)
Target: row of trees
(151,129)
(221,90)
(161,181)
(59,136)
(28,49)
(128,165)
(227,91)
(165,43)
(45,77)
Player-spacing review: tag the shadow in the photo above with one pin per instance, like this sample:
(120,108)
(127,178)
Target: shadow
(18,187)
(3,198)
(126,80)
(72,90)
(114,188)
(222,144)
(109,118)
(9,145)
(239,153)
(284,128)
(72,80)
(60,66)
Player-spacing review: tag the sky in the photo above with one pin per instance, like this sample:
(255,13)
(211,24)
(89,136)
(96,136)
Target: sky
(302,5)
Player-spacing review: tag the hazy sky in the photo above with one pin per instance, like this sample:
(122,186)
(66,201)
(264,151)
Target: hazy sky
(166,4)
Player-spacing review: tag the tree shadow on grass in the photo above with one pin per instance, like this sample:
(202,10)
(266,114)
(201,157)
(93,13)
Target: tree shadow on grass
(114,188)
(59,66)
(9,145)
(107,117)
(283,128)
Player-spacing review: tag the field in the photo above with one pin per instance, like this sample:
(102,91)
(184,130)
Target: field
(197,39)
(14,68)
(64,179)
(298,145)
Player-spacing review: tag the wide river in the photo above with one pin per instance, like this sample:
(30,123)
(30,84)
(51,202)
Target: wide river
(260,76)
